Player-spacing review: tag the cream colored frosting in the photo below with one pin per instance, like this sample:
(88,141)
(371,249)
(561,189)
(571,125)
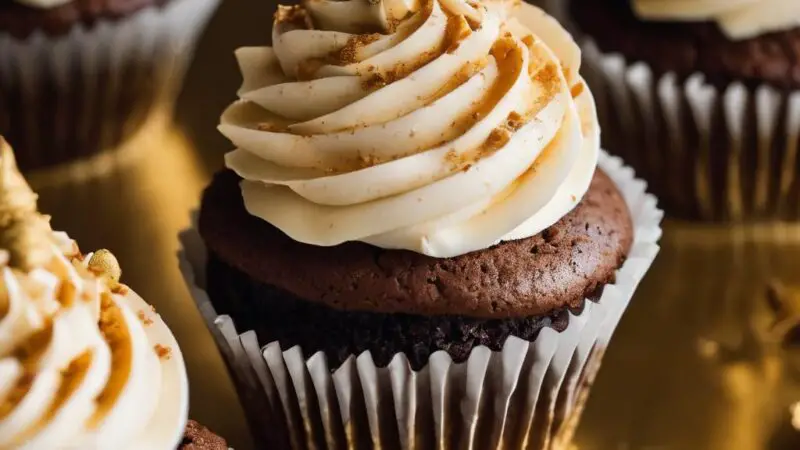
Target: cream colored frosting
(78,367)
(42,4)
(441,127)
(739,19)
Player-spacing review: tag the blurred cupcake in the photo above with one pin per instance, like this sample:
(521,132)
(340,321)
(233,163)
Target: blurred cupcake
(84,361)
(413,245)
(701,97)
(198,437)
(78,77)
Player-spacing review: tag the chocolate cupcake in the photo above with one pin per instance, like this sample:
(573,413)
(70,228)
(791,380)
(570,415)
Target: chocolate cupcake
(198,437)
(80,77)
(84,361)
(701,97)
(414,231)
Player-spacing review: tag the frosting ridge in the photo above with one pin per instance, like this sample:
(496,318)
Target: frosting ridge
(440,126)
(738,19)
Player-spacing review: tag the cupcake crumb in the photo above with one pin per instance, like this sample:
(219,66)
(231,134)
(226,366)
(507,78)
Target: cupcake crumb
(145,320)
(121,289)
(577,90)
(164,352)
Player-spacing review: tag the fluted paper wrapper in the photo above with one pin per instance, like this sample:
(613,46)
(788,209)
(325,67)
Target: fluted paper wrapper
(74,95)
(528,395)
(708,153)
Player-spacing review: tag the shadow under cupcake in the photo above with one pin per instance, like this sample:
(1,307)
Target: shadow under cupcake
(80,77)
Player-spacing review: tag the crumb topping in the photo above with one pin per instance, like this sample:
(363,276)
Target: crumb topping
(349,53)
(295,15)
(162,351)
(146,321)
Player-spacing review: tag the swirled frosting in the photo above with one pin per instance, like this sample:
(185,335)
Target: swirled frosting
(440,126)
(739,19)
(77,366)
(42,4)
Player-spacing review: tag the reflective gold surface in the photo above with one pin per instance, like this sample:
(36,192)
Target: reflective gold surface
(697,362)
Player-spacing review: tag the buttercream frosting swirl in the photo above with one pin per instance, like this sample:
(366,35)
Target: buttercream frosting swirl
(439,126)
(42,4)
(77,367)
(738,19)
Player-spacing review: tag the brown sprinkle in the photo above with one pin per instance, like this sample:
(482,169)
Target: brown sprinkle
(374,82)
(514,121)
(577,89)
(163,352)
(144,319)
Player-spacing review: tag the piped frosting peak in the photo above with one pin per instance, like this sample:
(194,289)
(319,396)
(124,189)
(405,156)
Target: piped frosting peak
(438,126)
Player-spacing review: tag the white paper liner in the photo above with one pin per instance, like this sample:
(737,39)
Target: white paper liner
(707,153)
(71,96)
(524,396)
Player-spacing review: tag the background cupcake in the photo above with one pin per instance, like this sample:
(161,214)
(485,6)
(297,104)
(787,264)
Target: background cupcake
(86,363)
(414,231)
(78,77)
(701,97)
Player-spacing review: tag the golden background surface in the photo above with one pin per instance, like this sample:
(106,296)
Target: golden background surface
(697,362)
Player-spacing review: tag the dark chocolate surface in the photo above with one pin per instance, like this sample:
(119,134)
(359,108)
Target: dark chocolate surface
(276,315)
(198,437)
(536,276)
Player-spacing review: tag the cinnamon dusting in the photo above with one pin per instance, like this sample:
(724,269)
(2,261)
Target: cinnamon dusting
(349,53)
(548,78)
(115,333)
(17,394)
(71,379)
(31,350)
(456,31)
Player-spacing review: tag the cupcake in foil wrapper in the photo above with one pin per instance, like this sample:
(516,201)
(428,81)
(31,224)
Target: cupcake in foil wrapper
(527,395)
(74,94)
(709,119)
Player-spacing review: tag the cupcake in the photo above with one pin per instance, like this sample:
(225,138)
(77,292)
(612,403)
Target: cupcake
(84,361)
(78,77)
(198,437)
(412,245)
(701,98)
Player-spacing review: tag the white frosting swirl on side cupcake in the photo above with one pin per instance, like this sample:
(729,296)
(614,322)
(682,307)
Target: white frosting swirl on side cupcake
(77,369)
(42,4)
(441,127)
(738,19)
